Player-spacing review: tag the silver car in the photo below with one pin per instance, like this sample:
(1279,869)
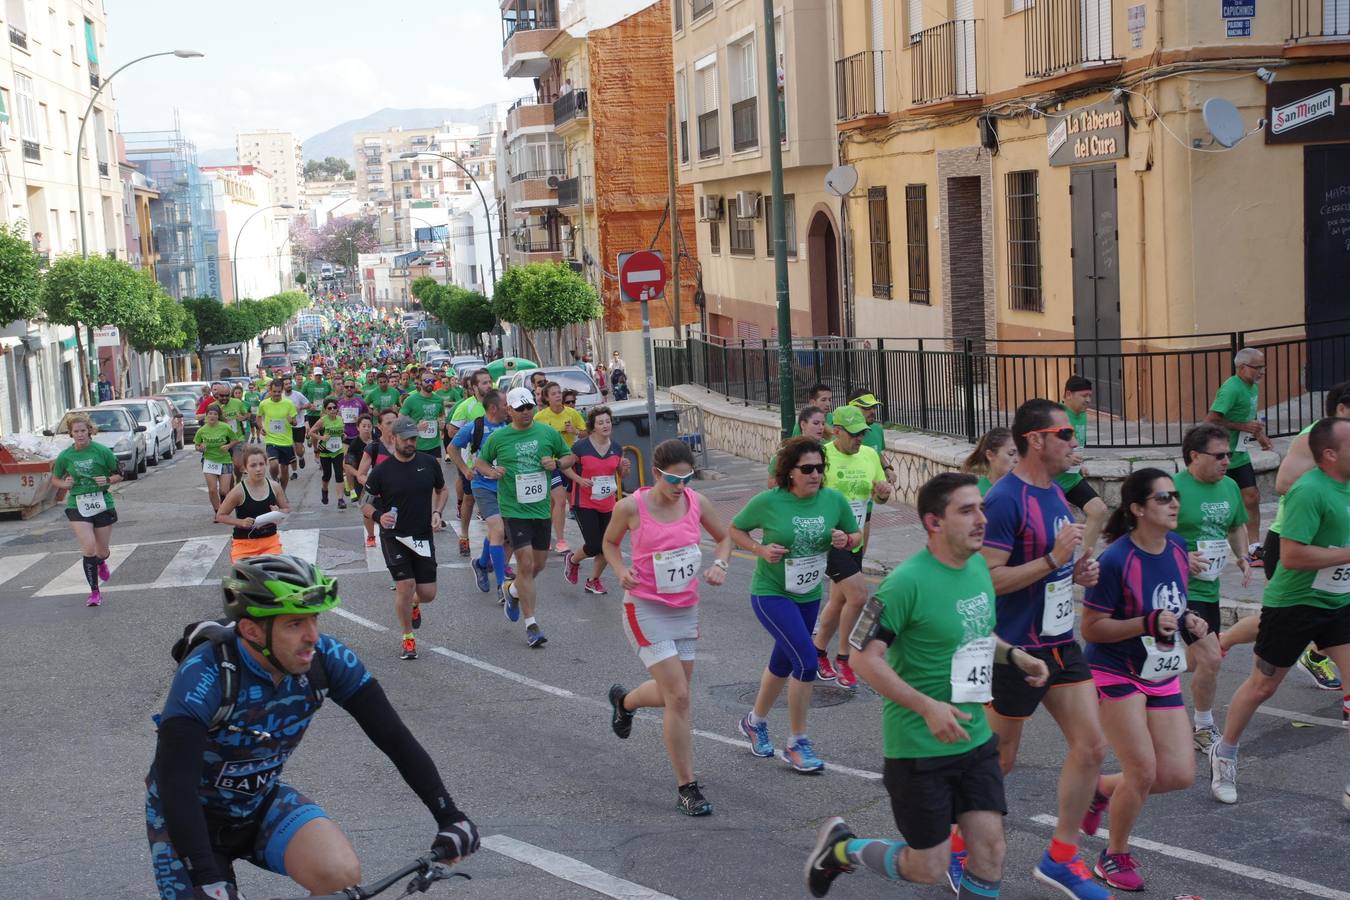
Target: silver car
(568,378)
(155,415)
(118,431)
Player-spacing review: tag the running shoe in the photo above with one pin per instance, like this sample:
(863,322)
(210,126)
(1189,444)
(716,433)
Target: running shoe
(1072,878)
(691,801)
(802,756)
(510,573)
(301,460)
(846,677)
(1222,776)
(323,497)
(825,671)
(480,574)
(822,866)
(1092,820)
(103,573)
(370,540)
(463,546)
(417,616)
(409,649)
(1256,556)
(1118,870)
(510,602)
(561,546)
(760,745)
(342,502)
(596,586)
(621,720)
(1323,671)
(956,870)
(1206,735)
(534,636)
(95,599)
(571,568)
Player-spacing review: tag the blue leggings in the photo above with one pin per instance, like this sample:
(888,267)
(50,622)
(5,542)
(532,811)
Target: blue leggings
(790,624)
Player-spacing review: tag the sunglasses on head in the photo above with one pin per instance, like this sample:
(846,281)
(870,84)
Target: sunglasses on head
(675,479)
(1065,433)
(811,468)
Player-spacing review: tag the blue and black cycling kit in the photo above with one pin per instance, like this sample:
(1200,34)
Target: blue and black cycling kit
(213,796)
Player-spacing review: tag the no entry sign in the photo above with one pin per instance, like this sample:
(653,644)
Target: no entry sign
(642,276)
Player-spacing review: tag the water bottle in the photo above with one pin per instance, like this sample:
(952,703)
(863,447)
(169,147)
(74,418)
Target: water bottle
(393,511)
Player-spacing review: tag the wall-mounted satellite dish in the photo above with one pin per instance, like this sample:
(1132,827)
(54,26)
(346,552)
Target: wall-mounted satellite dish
(841,180)
(1224,122)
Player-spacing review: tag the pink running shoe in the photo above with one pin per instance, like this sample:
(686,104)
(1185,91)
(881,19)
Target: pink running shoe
(596,586)
(95,599)
(846,677)
(825,671)
(103,573)
(570,569)
(1118,870)
(1096,809)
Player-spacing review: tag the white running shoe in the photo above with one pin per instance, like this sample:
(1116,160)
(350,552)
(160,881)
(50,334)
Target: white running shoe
(1222,777)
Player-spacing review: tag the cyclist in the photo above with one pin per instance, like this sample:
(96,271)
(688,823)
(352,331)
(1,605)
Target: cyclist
(215,795)
(326,434)
(994,456)
(660,604)
(85,470)
(597,480)
(214,441)
(799,523)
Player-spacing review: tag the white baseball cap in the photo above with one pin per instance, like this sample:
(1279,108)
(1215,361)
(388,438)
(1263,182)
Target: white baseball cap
(519,398)
(317,371)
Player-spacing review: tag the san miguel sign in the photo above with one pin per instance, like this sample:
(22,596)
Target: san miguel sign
(1300,112)
(1092,134)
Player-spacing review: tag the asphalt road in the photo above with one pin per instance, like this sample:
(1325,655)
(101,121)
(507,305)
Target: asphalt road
(523,740)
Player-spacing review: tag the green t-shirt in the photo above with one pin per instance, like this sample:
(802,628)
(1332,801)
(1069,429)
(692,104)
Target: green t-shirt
(84,466)
(1067,481)
(426,412)
(852,474)
(518,451)
(985,485)
(332,427)
(315,392)
(875,437)
(211,440)
(1316,512)
(1208,512)
(232,412)
(466,411)
(803,525)
(1236,402)
(829,423)
(1279,507)
(449,396)
(383,399)
(251,401)
(277,416)
(933,610)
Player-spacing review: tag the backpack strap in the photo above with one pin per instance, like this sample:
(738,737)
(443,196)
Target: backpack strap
(227,660)
(476,441)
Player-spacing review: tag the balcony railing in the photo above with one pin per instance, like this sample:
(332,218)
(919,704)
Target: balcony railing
(942,61)
(18,38)
(530,174)
(709,135)
(31,151)
(571,192)
(860,85)
(745,124)
(522,245)
(535,22)
(699,8)
(1313,20)
(572,105)
(1065,34)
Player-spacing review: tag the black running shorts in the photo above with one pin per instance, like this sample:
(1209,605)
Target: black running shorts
(928,795)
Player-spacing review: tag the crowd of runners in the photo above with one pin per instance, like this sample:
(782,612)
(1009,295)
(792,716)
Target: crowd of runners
(978,629)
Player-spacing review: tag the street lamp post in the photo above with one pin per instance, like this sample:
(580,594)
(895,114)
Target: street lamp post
(487,210)
(234,248)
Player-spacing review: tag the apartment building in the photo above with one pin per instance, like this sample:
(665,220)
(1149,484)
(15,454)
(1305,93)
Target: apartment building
(50,65)
(1045,170)
(281,154)
(723,92)
(254,236)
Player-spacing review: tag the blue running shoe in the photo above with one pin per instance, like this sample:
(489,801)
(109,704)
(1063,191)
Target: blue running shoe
(1072,879)
(481,574)
(802,757)
(512,604)
(956,870)
(760,745)
(534,636)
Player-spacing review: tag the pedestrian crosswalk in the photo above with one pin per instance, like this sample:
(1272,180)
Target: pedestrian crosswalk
(189,562)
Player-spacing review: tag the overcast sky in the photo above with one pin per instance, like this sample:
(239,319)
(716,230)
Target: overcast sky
(300,65)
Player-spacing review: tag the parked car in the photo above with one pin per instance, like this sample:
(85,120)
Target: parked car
(158,422)
(568,378)
(464,365)
(436,358)
(301,347)
(185,387)
(186,404)
(504,383)
(176,416)
(118,431)
(425,344)
(277,363)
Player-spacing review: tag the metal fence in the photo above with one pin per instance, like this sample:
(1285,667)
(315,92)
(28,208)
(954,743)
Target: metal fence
(963,387)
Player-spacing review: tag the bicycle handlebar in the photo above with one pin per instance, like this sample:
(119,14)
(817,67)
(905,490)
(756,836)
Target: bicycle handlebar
(427,868)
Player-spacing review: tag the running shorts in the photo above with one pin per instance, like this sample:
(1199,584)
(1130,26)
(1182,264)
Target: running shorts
(1015,699)
(1285,631)
(487,503)
(298,433)
(283,455)
(241,548)
(657,632)
(929,794)
(1207,611)
(98,520)
(534,533)
(1081,495)
(404,563)
(841,564)
(1244,475)
(1160,695)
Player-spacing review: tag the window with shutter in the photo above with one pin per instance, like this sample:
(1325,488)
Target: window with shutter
(879,239)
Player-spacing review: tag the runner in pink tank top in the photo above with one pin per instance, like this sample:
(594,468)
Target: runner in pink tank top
(660,603)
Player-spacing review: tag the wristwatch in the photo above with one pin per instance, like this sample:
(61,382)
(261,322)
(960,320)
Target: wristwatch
(721,564)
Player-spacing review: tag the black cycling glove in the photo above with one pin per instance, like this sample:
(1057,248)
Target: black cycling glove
(456,840)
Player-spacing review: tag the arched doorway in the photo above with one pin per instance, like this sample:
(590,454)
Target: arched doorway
(822,253)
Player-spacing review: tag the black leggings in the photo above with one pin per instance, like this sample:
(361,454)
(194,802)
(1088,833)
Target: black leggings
(593,525)
(331,467)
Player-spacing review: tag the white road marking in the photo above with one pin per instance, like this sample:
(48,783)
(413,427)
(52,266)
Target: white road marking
(1223,865)
(192,563)
(360,620)
(301,542)
(505,673)
(15,565)
(1300,717)
(569,869)
(71,581)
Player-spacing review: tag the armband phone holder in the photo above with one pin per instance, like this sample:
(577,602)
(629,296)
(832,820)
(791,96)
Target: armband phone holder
(866,627)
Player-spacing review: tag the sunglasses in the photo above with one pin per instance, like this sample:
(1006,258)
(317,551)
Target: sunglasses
(1227,454)
(811,468)
(569,403)
(1064,434)
(1163,498)
(675,479)
(525,407)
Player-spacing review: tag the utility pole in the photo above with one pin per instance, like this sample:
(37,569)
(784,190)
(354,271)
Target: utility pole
(674,220)
(780,270)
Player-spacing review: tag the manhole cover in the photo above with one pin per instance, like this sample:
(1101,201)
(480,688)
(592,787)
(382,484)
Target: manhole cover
(742,695)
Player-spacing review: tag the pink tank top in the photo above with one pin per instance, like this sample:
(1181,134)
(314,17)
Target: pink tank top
(667,559)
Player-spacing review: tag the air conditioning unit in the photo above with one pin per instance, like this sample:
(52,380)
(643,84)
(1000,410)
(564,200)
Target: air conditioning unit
(747,204)
(710,207)
(552,182)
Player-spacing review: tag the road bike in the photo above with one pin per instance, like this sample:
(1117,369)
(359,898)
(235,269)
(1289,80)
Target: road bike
(425,870)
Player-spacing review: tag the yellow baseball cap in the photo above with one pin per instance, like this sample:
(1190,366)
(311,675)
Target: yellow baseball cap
(866,401)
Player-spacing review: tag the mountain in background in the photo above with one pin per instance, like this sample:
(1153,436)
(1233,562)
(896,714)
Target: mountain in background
(337,141)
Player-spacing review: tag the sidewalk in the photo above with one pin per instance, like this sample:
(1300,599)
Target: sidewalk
(897,534)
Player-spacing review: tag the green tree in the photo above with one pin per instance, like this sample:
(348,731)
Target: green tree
(420,286)
(211,324)
(20,275)
(470,314)
(545,296)
(168,331)
(301,278)
(330,168)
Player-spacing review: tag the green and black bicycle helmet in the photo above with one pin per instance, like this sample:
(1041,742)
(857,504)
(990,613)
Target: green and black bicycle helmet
(260,587)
